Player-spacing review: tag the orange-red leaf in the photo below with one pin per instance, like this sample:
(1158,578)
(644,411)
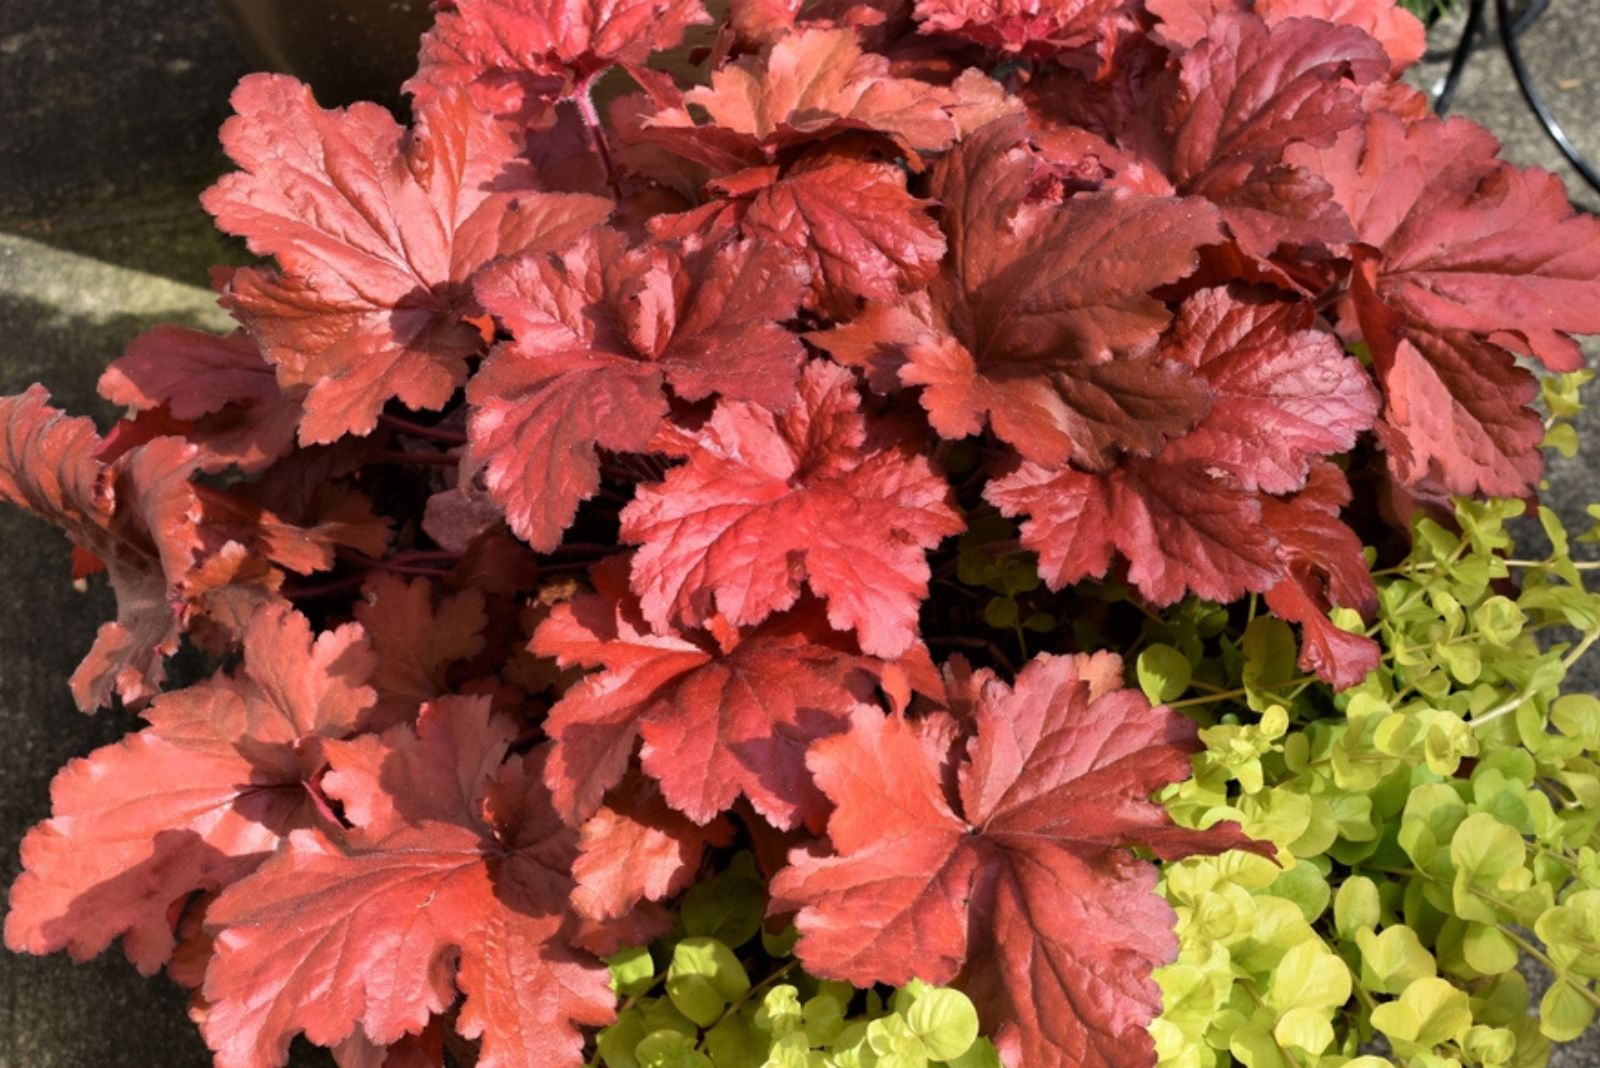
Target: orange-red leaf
(770,503)
(1020,888)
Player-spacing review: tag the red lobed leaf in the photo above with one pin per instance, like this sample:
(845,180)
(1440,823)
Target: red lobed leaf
(1456,409)
(1400,32)
(377,232)
(1039,27)
(417,636)
(718,719)
(1285,394)
(138,515)
(878,338)
(1046,311)
(515,57)
(449,835)
(598,330)
(767,503)
(636,848)
(1185,23)
(1466,242)
(1191,518)
(220,387)
(193,802)
(1463,256)
(862,233)
(806,86)
(1180,529)
(1247,93)
(1020,889)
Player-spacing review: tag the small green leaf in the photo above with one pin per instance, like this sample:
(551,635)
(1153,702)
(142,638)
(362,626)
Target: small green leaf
(632,970)
(729,906)
(823,1019)
(704,977)
(1269,659)
(1039,623)
(1163,673)
(1355,906)
(1488,949)
(945,1021)
(670,1049)
(1429,1013)
(1484,851)
(1307,1029)
(1393,960)
(1564,1013)
(1001,613)
(779,1012)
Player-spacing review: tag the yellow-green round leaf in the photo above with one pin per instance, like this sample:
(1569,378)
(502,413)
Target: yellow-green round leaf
(945,1021)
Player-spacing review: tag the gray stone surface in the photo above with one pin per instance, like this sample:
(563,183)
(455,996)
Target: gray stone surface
(108,133)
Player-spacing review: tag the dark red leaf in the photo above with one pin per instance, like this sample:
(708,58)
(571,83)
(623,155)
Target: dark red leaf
(1325,567)
(1180,528)
(417,634)
(1045,314)
(1247,93)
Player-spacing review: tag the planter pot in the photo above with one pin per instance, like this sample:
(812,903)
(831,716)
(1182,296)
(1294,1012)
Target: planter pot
(347,50)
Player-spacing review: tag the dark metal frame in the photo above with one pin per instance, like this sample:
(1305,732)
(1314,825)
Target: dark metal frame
(1511,30)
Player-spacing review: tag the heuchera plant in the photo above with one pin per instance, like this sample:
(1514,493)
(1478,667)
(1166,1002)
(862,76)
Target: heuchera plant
(614,467)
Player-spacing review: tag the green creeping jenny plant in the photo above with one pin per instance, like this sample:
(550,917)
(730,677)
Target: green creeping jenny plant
(1436,825)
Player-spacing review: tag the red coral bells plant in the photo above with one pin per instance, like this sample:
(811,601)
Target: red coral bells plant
(579,496)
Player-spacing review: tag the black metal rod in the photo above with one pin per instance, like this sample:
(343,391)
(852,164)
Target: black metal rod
(1529,16)
(1458,59)
(1519,70)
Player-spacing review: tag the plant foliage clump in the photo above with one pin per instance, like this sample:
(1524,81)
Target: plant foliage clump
(780,475)
(1435,825)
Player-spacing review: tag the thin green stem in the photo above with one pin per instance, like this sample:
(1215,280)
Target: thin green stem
(1511,704)
(1539,955)
(1416,596)
(1409,569)
(1229,695)
(744,998)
